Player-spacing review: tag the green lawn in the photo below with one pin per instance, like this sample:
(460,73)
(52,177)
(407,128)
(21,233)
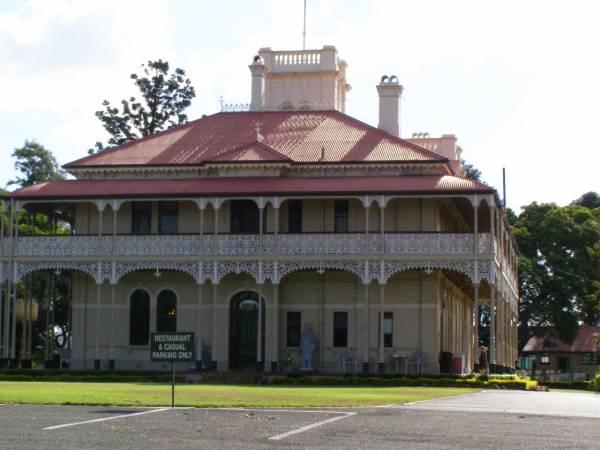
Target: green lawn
(131,394)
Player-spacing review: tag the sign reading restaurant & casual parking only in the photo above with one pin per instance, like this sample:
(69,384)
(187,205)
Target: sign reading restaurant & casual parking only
(172,347)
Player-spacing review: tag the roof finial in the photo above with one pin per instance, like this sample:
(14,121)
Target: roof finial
(259,136)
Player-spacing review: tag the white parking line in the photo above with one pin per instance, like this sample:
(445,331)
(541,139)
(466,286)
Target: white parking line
(274,410)
(343,415)
(104,419)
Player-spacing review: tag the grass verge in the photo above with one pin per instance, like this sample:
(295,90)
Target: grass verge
(131,394)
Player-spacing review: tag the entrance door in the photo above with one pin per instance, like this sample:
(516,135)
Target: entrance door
(243,331)
(563,364)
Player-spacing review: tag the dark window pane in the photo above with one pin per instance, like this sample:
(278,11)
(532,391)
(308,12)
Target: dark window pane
(244,216)
(388,329)
(294,324)
(139,318)
(141,217)
(341,215)
(340,329)
(166,312)
(589,359)
(295,216)
(168,217)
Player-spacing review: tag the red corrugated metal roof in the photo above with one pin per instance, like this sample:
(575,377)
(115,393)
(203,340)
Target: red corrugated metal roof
(585,342)
(223,186)
(253,152)
(301,136)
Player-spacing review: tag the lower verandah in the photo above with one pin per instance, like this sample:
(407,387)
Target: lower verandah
(423,312)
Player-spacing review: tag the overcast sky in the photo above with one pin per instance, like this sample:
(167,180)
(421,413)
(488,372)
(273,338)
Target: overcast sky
(518,82)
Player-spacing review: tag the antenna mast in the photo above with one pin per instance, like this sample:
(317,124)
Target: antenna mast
(504,187)
(304,29)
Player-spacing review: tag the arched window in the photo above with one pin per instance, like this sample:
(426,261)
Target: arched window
(139,318)
(166,312)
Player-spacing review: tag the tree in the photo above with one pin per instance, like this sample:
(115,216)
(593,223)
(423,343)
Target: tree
(472,171)
(36,164)
(165,96)
(589,200)
(559,268)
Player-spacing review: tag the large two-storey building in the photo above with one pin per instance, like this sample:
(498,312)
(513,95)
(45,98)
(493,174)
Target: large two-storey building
(248,226)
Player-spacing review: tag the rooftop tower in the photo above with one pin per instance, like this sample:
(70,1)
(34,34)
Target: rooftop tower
(298,80)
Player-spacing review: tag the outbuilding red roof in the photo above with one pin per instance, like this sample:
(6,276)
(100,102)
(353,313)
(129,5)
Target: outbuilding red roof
(297,136)
(417,184)
(584,342)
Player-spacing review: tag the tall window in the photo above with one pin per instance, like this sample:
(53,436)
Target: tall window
(141,217)
(244,216)
(168,217)
(341,222)
(340,329)
(388,329)
(139,318)
(294,324)
(295,216)
(166,312)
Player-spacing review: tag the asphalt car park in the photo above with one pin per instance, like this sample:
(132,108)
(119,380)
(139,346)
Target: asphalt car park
(482,420)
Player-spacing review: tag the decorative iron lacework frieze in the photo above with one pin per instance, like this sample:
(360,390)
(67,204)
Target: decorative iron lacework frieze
(355,267)
(486,272)
(275,271)
(390,268)
(237,267)
(123,268)
(90,268)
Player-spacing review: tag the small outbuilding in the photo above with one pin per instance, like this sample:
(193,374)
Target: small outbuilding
(551,354)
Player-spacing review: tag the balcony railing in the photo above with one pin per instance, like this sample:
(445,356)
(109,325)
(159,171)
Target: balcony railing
(247,245)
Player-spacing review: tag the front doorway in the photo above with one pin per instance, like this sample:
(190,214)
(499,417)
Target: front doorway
(243,331)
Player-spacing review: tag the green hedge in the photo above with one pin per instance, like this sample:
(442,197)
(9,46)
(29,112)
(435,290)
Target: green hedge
(90,377)
(429,381)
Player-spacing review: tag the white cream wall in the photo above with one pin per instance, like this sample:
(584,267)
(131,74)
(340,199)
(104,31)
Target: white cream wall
(317,216)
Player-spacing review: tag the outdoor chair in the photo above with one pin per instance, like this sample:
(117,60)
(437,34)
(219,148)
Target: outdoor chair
(415,360)
(397,360)
(345,358)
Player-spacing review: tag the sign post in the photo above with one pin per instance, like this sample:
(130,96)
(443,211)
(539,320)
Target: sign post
(172,347)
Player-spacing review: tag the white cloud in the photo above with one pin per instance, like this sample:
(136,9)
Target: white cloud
(516,81)
(67,56)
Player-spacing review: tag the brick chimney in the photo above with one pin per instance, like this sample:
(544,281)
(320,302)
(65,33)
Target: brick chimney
(257,70)
(389,104)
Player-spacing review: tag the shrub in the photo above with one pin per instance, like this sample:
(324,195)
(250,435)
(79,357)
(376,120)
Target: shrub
(428,381)
(98,377)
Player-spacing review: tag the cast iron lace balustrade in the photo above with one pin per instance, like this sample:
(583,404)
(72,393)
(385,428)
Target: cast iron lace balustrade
(248,245)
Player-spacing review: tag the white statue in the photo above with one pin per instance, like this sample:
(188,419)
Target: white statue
(307,347)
